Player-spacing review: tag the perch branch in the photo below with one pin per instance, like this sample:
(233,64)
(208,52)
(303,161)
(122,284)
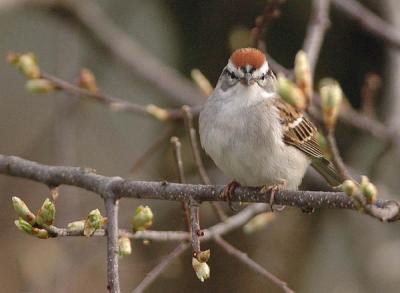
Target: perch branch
(87,179)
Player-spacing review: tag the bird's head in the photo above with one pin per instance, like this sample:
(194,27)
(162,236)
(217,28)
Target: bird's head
(247,67)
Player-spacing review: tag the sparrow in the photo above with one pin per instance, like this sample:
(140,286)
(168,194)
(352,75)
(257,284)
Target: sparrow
(252,135)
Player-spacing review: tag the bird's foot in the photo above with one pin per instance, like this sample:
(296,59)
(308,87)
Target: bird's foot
(229,189)
(273,189)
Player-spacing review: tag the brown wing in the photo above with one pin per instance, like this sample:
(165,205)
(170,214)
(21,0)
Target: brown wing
(301,133)
(298,130)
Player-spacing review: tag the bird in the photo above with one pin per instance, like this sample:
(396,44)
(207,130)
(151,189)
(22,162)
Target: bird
(255,137)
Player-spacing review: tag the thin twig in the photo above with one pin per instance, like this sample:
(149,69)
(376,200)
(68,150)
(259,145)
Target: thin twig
(369,21)
(188,117)
(336,158)
(195,227)
(221,228)
(86,179)
(179,163)
(319,22)
(246,260)
(369,90)
(158,269)
(111,205)
(152,149)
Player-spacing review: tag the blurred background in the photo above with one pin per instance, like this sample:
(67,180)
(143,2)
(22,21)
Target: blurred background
(327,251)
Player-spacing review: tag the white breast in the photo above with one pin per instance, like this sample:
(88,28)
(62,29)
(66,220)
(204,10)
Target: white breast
(241,132)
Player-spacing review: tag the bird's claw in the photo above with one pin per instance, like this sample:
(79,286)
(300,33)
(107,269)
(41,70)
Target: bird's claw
(229,189)
(272,190)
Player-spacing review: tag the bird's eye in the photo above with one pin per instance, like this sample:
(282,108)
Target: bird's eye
(232,75)
(263,77)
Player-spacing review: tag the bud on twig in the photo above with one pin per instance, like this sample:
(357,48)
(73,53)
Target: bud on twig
(290,93)
(368,190)
(23,225)
(143,218)
(76,226)
(124,246)
(349,187)
(201,269)
(201,81)
(40,86)
(46,214)
(93,222)
(331,99)
(87,80)
(203,256)
(26,63)
(158,112)
(258,222)
(303,76)
(22,210)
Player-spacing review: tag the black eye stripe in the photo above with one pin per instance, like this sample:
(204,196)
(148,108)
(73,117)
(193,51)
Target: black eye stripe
(231,74)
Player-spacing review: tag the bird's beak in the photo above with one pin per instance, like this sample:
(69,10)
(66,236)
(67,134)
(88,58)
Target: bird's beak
(247,79)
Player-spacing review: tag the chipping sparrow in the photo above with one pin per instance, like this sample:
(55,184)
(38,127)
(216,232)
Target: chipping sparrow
(252,135)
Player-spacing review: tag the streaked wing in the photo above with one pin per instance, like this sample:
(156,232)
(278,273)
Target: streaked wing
(301,133)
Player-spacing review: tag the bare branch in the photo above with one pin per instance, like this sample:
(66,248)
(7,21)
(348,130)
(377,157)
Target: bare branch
(336,158)
(137,58)
(153,148)
(111,205)
(369,21)
(86,179)
(158,269)
(246,260)
(319,22)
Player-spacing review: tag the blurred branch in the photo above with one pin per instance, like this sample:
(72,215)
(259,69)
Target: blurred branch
(319,23)
(137,58)
(152,149)
(158,269)
(336,158)
(86,179)
(369,21)
(245,259)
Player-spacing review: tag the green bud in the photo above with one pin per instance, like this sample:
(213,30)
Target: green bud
(201,269)
(124,246)
(22,210)
(23,225)
(331,98)
(368,190)
(40,86)
(302,72)
(258,222)
(26,63)
(94,221)
(46,214)
(290,93)
(143,218)
(76,226)
(349,187)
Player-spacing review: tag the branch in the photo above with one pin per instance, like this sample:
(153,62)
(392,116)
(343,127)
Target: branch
(85,178)
(131,54)
(369,21)
(111,205)
(245,259)
(319,23)
(158,269)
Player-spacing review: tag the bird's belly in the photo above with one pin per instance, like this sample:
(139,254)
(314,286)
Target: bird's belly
(257,159)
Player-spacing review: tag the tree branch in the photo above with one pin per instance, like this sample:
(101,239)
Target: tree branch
(369,21)
(245,259)
(158,269)
(86,179)
(319,23)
